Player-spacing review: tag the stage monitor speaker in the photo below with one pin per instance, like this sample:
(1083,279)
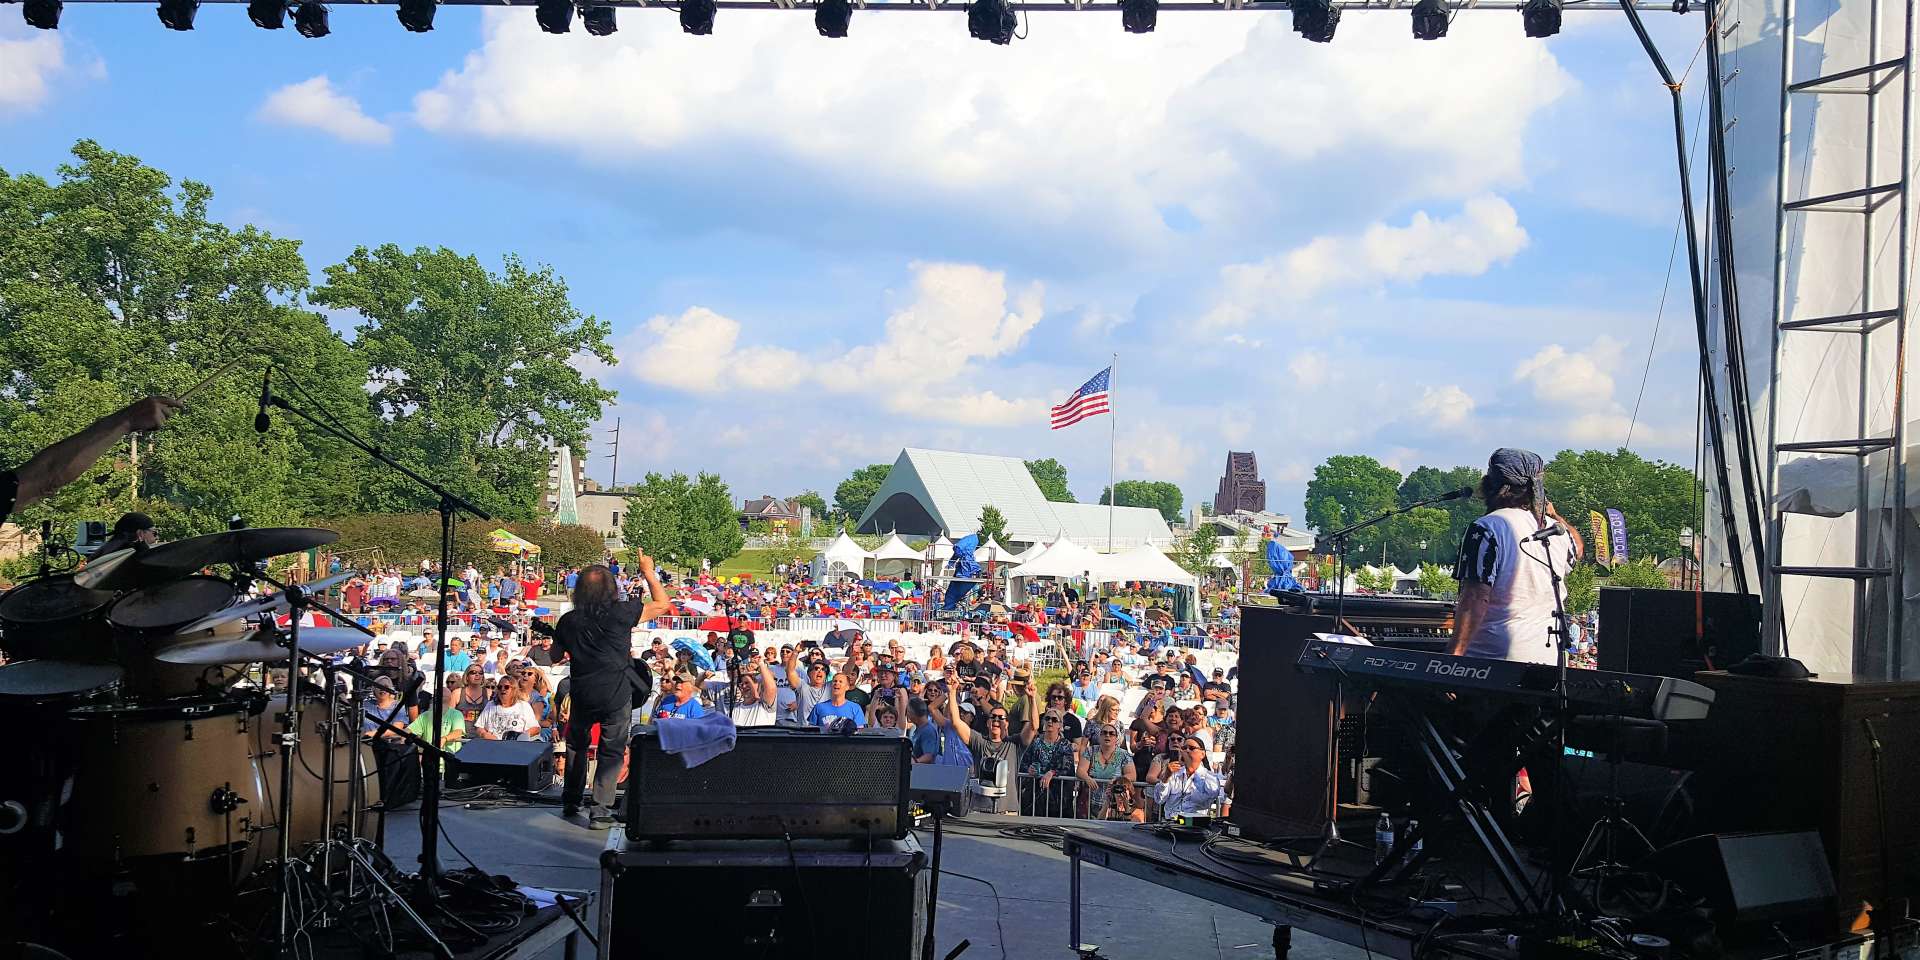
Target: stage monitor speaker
(1283,766)
(1674,633)
(761,898)
(520,764)
(775,782)
(1753,882)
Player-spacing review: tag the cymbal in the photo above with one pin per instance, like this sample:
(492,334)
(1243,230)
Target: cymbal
(275,603)
(144,568)
(259,647)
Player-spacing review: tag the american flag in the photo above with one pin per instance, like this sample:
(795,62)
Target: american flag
(1088,401)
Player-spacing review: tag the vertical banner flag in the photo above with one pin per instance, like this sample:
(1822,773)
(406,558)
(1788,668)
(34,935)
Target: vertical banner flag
(1617,525)
(1088,401)
(1597,535)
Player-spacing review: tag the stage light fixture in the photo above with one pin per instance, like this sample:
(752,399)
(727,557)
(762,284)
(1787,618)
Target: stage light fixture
(696,16)
(417,15)
(44,14)
(310,19)
(991,20)
(599,21)
(831,17)
(1430,19)
(1316,19)
(267,14)
(178,14)
(554,16)
(1139,16)
(1541,17)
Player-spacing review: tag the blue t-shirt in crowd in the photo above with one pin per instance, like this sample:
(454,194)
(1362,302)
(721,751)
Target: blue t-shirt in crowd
(926,740)
(850,710)
(571,577)
(691,710)
(457,662)
(509,589)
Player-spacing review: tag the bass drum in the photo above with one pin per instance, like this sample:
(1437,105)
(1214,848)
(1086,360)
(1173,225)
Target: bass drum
(55,619)
(309,823)
(145,622)
(173,779)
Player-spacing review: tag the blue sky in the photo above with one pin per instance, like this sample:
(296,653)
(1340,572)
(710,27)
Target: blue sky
(815,252)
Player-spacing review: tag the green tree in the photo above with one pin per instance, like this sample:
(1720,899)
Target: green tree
(1194,552)
(1437,581)
(1656,497)
(993,524)
(1406,533)
(1638,572)
(682,521)
(1426,482)
(1158,494)
(713,521)
(115,283)
(1583,592)
(759,528)
(853,493)
(1347,489)
(1052,478)
(470,371)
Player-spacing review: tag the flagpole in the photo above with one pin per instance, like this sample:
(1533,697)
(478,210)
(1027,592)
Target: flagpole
(1113,431)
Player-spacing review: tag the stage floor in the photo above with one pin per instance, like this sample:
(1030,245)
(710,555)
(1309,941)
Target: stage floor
(1128,918)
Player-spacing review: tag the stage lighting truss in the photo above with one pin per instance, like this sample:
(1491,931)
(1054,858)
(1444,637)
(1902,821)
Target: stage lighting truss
(599,21)
(43,14)
(178,14)
(417,15)
(1139,16)
(1315,19)
(554,16)
(267,14)
(1431,19)
(696,16)
(310,20)
(831,17)
(1541,18)
(991,20)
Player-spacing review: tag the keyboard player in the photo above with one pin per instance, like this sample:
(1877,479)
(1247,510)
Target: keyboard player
(1506,605)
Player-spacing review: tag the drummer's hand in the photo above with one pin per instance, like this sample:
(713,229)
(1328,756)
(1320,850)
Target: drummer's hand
(150,413)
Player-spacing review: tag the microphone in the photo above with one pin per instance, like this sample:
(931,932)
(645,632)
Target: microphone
(260,421)
(1547,532)
(1460,494)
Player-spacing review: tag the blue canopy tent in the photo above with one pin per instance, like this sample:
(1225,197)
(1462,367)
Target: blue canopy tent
(1281,561)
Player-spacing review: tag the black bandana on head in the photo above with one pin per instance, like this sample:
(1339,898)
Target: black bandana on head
(1516,467)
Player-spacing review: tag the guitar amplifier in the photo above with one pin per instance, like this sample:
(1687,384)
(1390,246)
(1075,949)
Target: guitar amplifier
(776,782)
(525,765)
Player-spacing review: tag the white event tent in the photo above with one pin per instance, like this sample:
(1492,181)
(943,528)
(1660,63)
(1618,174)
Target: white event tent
(841,558)
(993,552)
(1143,563)
(896,550)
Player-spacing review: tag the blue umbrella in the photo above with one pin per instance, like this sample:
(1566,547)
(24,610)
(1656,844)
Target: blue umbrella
(1281,561)
(1122,616)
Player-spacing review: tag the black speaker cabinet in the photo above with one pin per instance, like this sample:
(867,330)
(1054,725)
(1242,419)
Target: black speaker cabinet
(1284,763)
(1673,633)
(761,898)
(519,764)
(776,781)
(1753,882)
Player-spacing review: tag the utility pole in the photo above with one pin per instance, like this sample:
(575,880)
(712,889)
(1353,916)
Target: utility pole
(613,483)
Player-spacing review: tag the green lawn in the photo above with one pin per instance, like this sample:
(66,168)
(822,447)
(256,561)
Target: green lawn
(760,562)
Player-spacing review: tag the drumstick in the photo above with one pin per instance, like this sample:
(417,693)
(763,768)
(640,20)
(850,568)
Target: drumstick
(210,378)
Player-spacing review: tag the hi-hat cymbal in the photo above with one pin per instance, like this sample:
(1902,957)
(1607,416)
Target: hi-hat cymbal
(260,647)
(144,568)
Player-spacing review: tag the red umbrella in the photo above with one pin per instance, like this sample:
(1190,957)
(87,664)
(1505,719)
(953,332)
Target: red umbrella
(1025,630)
(722,624)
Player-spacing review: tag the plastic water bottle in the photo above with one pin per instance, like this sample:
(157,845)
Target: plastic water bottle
(1382,838)
(1418,842)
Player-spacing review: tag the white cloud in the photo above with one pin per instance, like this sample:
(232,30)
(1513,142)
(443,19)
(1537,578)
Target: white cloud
(1309,369)
(1608,430)
(917,112)
(1446,408)
(1486,231)
(1155,453)
(1572,378)
(28,63)
(315,103)
(959,314)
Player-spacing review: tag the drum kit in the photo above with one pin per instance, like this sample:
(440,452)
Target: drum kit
(157,749)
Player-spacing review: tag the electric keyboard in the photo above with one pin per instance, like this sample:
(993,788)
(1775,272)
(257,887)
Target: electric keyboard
(1371,614)
(1589,691)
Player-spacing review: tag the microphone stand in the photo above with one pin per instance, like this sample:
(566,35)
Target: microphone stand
(449,507)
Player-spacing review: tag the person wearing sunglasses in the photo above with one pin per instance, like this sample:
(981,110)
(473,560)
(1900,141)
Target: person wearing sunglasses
(995,752)
(1184,785)
(1101,764)
(1049,767)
